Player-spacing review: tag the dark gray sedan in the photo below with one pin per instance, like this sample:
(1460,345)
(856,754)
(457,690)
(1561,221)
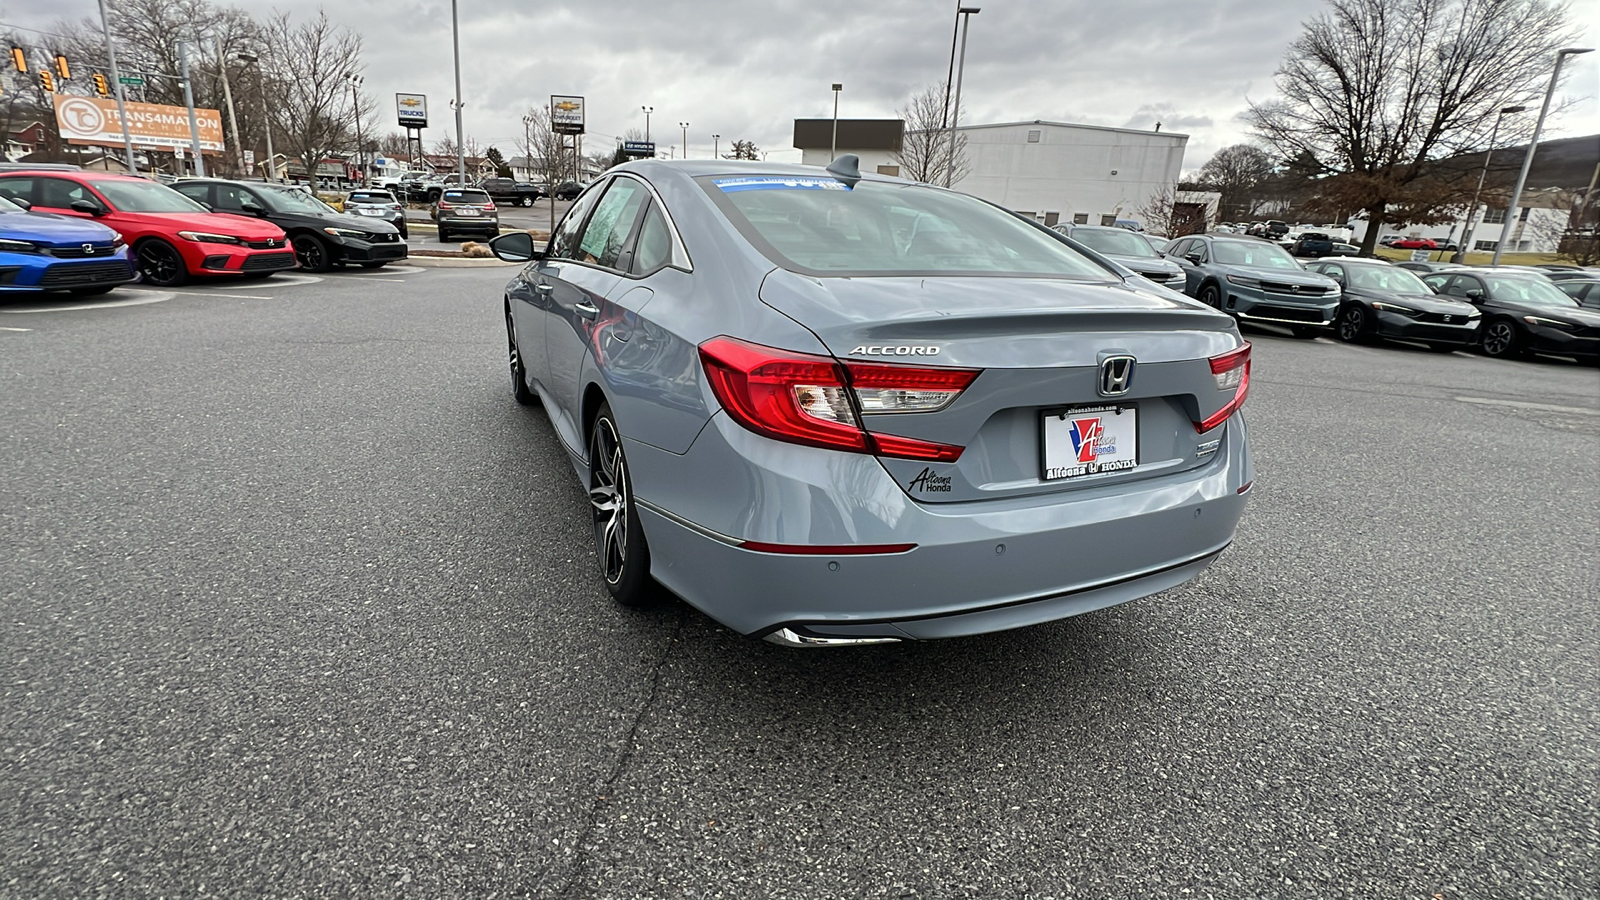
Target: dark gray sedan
(1129,248)
(828,408)
(1385,301)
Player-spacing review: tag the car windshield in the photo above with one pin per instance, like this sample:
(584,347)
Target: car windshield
(146,197)
(819,226)
(370,197)
(1115,241)
(291,200)
(1386,278)
(1252,253)
(1527,289)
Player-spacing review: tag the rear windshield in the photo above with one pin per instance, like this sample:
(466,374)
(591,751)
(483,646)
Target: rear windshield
(371,197)
(467,196)
(1116,241)
(820,226)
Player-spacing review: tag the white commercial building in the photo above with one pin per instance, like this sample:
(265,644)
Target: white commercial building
(1058,172)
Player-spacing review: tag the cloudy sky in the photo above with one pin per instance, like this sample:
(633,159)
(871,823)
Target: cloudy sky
(746,69)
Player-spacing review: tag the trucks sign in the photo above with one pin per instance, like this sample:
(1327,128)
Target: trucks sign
(566,115)
(412,109)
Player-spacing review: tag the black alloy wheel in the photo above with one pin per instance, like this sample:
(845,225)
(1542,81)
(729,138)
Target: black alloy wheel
(1211,296)
(619,541)
(1501,340)
(311,253)
(161,264)
(1353,325)
(519,373)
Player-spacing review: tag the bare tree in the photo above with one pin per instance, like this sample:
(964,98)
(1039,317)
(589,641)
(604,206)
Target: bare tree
(306,66)
(1377,92)
(743,150)
(1235,172)
(549,154)
(1164,214)
(445,146)
(925,146)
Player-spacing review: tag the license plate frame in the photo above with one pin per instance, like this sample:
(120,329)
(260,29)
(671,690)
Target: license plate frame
(1062,456)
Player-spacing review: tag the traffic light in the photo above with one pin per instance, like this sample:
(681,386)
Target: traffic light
(61,66)
(19,58)
(48,81)
(101,86)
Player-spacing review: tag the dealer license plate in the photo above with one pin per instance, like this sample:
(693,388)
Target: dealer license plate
(467,211)
(369,212)
(1090,440)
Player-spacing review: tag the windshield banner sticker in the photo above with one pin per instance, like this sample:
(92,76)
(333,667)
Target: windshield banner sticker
(777,183)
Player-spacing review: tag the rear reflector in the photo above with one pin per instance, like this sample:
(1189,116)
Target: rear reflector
(814,400)
(825,549)
(1232,372)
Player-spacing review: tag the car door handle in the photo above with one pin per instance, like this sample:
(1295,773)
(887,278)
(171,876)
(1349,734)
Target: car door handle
(587,310)
(544,288)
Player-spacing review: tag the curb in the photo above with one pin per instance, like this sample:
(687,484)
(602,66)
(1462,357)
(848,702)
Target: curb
(455,262)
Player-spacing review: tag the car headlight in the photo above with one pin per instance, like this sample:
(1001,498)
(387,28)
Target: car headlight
(18,247)
(205,237)
(1245,281)
(118,241)
(1549,323)
(345,232)
(1395,308)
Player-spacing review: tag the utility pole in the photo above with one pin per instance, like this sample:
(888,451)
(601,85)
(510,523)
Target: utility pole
(964,13)
(1472,211)
(1533,144)
(355,99)
(461,159)
(647,111)
(833,151)
(685,127)
(716,146)
(233,117)
(122,109)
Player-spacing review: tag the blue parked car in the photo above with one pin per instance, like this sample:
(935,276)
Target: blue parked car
(46,252)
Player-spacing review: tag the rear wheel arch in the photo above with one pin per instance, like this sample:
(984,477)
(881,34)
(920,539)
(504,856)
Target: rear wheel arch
(593,398)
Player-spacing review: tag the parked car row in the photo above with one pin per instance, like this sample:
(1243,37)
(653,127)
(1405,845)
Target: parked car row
(1505,311)
(426,187)
(165,235)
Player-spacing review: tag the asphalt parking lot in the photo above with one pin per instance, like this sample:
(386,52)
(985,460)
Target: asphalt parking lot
(298,602)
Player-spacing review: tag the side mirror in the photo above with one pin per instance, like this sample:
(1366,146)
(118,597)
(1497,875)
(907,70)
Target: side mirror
(250,209)
(1194,257)
(1475,296)
(515,246)
(87,207)
(22,203)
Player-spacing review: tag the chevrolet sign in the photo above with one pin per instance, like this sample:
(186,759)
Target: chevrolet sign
(566,115)
(412,110)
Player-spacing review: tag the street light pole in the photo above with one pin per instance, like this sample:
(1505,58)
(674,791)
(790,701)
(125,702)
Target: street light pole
(188,98)
(1533,144)
(1472,211)
(461,159)
(227,96)
(833,148)
(122,111)
(266,113)
(716,146)
(965,14)
(685,127)
(647,111)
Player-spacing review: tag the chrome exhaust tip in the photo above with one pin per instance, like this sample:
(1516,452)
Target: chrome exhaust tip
(788,637)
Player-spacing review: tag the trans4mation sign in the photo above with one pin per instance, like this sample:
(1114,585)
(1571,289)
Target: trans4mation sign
(1090,441)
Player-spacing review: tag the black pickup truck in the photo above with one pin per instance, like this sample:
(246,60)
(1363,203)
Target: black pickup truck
(505,190)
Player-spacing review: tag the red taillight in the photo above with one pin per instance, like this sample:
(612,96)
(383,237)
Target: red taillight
(805,399)
(489,205)
(444,205)
(1232,371)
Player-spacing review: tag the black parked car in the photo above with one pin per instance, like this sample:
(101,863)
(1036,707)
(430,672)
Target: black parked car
(506,190)
(1584,290)
(1129,248)
(568,190)
(1428,268)
(1523,312)
(1385,301)
(322,236)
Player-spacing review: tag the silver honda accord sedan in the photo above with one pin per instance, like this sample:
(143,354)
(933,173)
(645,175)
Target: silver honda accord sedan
(833,408)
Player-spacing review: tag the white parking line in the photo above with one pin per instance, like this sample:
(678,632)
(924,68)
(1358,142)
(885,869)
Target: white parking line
(1522,404)
(276,281)
(152,297)
(167,295)
(5,328)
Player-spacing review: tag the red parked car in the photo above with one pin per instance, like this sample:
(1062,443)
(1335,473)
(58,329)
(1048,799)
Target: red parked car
(173,237)
(1415,244)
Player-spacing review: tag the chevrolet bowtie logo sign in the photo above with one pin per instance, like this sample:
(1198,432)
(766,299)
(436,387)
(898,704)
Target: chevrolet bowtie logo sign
(566,106)
(410,102)
(566,114)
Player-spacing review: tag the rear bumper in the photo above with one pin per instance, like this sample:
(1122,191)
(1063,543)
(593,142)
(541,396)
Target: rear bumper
(977,567)
(479,224)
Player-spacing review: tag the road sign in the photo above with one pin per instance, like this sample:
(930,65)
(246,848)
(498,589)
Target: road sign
(641,149)
(131,79)
(566,114)
(1419,255)
(412,110)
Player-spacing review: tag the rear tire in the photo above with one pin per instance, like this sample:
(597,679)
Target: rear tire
(520,391)
(526,201)
(619,541)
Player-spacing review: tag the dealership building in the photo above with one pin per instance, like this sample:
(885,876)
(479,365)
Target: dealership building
(1052,171)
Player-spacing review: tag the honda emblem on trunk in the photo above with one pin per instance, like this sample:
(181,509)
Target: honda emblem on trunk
(1116,375)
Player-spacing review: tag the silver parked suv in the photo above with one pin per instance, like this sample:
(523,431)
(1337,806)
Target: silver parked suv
(465,211)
